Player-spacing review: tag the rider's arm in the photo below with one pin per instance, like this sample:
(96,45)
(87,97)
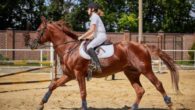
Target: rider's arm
(89,33)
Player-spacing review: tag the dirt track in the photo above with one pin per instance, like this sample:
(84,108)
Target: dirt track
(102,94)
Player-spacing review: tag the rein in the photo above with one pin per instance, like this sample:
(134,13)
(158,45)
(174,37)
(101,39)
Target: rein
(37,41)
(42,31)
(68,42)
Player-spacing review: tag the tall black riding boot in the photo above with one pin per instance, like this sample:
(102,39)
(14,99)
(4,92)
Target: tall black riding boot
(95,59)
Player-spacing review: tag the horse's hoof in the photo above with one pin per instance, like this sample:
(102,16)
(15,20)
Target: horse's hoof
(167,100)
(179,93)
(40,107)
(84,108)
(170,105)
(134,107)
(84,105)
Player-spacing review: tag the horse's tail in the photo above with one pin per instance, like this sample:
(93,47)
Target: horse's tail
(169,62)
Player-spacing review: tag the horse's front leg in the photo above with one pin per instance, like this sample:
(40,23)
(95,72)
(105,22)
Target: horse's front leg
(82,85)
(52,87)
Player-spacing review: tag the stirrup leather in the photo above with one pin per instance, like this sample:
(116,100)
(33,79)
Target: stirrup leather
(92,67)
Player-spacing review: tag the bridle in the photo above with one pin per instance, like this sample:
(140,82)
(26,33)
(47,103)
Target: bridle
(37,41)
(68,42)
(41,33)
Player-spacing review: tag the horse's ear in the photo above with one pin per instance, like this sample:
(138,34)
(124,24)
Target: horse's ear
(43,19)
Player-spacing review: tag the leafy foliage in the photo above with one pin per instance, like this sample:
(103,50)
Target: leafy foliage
(127,21)
(191,53)
(16,13)
(2,58)
(168,15)
(119,15)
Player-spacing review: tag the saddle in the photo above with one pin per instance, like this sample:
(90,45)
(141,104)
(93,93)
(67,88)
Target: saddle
(105,50)
(107,42)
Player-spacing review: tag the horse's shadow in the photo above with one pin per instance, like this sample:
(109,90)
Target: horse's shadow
(123,108)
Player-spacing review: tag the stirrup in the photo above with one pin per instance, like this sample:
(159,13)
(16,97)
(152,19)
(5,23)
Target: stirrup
(92,67)
(90,70)
(96,67)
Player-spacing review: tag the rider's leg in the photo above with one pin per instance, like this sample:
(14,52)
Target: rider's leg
(90,49)
(95,59)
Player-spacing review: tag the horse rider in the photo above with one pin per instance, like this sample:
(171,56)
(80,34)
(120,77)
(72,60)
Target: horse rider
(96,33)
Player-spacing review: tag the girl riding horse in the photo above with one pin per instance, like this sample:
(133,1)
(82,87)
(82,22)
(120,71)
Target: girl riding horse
(96,32)
(129,57)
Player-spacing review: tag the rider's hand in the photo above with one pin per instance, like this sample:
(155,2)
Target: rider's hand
(80,38)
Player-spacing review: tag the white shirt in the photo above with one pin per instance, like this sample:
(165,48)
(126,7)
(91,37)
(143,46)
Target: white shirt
(100,29)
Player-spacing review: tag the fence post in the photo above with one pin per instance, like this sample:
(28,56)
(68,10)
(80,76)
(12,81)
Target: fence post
(51,61)
(126,35)
(41,57)
(9,43)
(194,59)
(160,66)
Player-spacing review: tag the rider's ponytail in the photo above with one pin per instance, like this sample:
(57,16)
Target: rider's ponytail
(100,12)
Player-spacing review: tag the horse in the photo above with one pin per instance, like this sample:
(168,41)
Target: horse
(129,57)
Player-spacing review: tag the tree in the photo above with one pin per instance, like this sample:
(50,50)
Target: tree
(77,16)
(128,22)
(15,14)
(115,9)
(168,15)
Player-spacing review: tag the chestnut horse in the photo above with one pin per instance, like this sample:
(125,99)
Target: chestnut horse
(132,58)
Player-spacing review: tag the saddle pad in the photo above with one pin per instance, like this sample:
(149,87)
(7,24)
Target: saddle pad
(103,51)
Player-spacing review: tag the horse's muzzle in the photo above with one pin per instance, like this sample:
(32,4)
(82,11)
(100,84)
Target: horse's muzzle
(34,44)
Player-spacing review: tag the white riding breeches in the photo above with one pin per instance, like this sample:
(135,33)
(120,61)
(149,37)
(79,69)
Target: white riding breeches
(98,40)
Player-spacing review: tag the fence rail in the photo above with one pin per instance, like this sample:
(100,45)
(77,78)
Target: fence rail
(51,51)
(183,51)
(51,54)
(29,50)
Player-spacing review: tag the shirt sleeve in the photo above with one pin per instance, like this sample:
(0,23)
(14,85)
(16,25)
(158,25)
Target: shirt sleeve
(94,20)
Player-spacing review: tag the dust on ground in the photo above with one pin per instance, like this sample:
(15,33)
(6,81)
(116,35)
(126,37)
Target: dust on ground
(102,94)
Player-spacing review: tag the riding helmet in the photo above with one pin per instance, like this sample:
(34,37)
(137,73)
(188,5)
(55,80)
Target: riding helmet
(93,5)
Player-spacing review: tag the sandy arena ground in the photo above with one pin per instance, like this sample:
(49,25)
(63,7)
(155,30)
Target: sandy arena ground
(102,94)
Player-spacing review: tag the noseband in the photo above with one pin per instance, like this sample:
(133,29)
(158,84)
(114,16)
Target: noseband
(37,41)
(41,33)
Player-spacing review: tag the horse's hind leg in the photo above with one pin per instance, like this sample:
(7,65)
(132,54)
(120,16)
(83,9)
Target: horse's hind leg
(52,87)
(158,84)
(135,82)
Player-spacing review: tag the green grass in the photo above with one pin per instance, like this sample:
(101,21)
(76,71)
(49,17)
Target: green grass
(24,63)
(185,62)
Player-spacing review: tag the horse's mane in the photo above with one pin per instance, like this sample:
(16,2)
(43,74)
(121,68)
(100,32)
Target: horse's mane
(66,28)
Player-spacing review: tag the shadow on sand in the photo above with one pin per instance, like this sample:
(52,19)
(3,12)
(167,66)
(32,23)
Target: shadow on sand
(123,108)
